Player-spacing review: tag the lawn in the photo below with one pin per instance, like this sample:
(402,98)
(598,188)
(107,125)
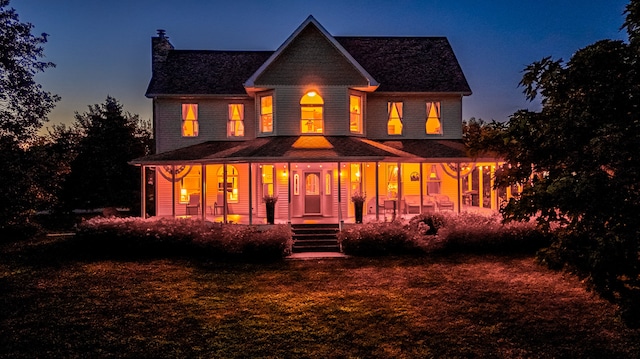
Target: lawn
(54,303)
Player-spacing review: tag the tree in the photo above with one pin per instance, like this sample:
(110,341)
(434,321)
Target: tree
(24,106)
(479,136)
(578,159)
(100,174)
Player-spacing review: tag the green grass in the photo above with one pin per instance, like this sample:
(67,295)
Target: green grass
(54,303)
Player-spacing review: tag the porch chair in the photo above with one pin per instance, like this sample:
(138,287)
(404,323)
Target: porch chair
(219,205)
(193,207)
(444,203)
(429,205)
(389,205)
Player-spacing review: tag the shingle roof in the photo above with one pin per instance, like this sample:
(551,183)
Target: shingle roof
(399,64)
(408,64)
(314,148)
(191,72)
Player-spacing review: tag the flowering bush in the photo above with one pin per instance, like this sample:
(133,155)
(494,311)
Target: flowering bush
(431,232)
(270,199)
(373,239)
(478,233)
(166,236)
(358,197)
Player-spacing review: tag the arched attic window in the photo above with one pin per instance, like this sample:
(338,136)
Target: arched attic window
(311,109)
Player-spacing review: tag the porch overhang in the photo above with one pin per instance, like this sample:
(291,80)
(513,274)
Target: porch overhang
(311,149)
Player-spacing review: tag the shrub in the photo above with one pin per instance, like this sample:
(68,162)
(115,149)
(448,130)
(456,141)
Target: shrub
(170,237)
(439,232)
(469,232)
(428,223)
(374,239)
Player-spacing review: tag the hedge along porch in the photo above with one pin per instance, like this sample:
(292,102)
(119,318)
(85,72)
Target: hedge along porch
(398,184)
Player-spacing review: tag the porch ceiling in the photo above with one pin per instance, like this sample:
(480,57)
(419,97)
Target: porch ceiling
(310,148)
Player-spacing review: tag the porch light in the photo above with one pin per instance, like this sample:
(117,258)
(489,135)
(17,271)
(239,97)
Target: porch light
(311,93)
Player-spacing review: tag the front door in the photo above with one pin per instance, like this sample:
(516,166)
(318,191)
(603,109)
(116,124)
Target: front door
(312,193)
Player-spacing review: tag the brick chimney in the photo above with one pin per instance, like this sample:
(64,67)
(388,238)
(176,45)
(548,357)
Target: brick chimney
(160,47)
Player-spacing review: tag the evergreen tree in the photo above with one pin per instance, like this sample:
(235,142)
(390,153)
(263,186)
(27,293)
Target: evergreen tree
(100,173)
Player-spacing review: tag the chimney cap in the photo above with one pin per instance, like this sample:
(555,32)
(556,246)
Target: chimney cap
(161,33)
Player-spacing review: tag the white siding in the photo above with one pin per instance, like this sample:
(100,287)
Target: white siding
(414,117)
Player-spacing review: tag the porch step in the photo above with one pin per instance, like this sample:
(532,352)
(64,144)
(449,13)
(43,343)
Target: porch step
(315,238)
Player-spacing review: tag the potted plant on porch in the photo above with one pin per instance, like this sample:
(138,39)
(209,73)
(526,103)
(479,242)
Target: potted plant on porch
(358,199)
(270,202)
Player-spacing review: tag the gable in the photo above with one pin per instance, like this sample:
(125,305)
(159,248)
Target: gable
(310,58)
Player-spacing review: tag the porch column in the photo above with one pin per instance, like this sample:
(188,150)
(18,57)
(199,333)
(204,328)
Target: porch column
(340,195)
(287,171)
(143,196)
(173,190)
(377,191)
(459,188)
(250,195)
(480,187)
(203,192)
(494,197)
(399,199)
(421,185)
(224,192)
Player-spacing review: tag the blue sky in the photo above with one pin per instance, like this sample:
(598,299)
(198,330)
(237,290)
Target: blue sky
(103,47)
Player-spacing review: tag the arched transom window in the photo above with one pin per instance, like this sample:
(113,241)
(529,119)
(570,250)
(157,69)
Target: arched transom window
(311,117)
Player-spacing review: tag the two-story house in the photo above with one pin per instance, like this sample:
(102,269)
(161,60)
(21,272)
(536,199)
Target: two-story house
(320,119)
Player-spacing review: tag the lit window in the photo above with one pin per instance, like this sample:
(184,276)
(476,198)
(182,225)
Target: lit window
(266,114)
(311,120)
(433,181)
(394,125)
(327,184)
(190,184)
(355,114)
(189,120)
(232,183)
(433,118)
(356,177)
(312,185)
(267,180)
(296,184)
(235,127)
(392,181)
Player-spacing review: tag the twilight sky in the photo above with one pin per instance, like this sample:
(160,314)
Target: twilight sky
(103,47)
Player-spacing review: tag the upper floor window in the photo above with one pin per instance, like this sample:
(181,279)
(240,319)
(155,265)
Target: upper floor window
(433,124)
(311,119)
(235,126)
(189,120)
(394,125)
(266,114)
(355,114)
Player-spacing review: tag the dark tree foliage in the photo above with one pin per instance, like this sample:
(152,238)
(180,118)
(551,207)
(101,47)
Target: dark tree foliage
(479,136)
(23,110)
(579,160)
(23,104)
(100,173)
